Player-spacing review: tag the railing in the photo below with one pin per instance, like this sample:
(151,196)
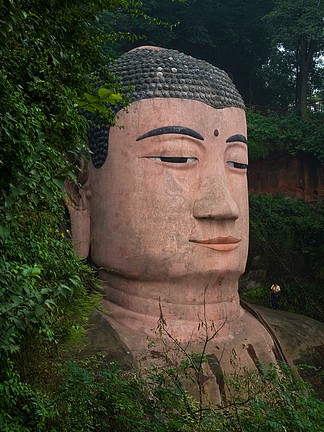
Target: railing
(264,110)
(313,106)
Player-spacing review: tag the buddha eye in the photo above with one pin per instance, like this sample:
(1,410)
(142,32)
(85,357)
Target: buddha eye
(237,165)
(173,159)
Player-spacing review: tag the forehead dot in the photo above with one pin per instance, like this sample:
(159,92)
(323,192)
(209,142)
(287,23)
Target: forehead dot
(216,133)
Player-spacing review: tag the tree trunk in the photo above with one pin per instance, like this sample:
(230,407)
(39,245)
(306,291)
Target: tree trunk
(297,88)
(306,59)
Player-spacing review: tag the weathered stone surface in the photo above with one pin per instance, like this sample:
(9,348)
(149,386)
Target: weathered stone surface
(296,334)
(300,176)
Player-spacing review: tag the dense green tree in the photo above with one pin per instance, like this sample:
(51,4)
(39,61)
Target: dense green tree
(230,35)
(278,80)
(48,53)
(297,26)
(269,48)
(273,134)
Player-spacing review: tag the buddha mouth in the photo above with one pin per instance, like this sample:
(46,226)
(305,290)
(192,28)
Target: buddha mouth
(219,243)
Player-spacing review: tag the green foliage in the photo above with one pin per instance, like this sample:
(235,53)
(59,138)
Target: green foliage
(287,233)
(107,399)
(272,133)
(92,399)
(40,285)
(99,102)
(237,37)
(22,409)
(293,19)
(259,294)
(273,402)
(298,27)
(44,300)
(99,401)
(51,53)
(279,81)
(311,369)
(230,35)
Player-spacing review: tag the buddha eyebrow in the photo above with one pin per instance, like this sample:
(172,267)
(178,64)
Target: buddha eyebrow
(181,130)
(237,137)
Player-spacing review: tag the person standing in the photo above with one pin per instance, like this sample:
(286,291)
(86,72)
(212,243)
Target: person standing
(275,289)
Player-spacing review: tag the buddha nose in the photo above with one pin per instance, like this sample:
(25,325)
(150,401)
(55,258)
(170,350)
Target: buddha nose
(215,201)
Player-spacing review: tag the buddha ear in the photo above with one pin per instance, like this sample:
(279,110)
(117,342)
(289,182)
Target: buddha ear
(77,200)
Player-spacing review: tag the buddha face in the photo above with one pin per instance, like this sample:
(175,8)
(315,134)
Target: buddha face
(171,199)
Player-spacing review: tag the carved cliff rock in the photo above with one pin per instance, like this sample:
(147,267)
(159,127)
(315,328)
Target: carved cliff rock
(299,176)
(163,216)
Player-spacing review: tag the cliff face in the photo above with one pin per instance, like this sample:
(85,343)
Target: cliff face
(300,176)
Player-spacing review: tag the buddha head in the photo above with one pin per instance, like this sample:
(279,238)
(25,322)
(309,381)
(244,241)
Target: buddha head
(164,214)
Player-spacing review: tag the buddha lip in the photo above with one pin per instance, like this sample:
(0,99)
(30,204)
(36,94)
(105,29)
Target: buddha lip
(218,241)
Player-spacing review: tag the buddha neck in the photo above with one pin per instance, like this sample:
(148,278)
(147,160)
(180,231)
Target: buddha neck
(182,305)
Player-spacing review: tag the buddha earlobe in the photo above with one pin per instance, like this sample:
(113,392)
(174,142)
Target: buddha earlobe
(78,204)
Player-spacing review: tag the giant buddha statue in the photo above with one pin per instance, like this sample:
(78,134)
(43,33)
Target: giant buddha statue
(163,215)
